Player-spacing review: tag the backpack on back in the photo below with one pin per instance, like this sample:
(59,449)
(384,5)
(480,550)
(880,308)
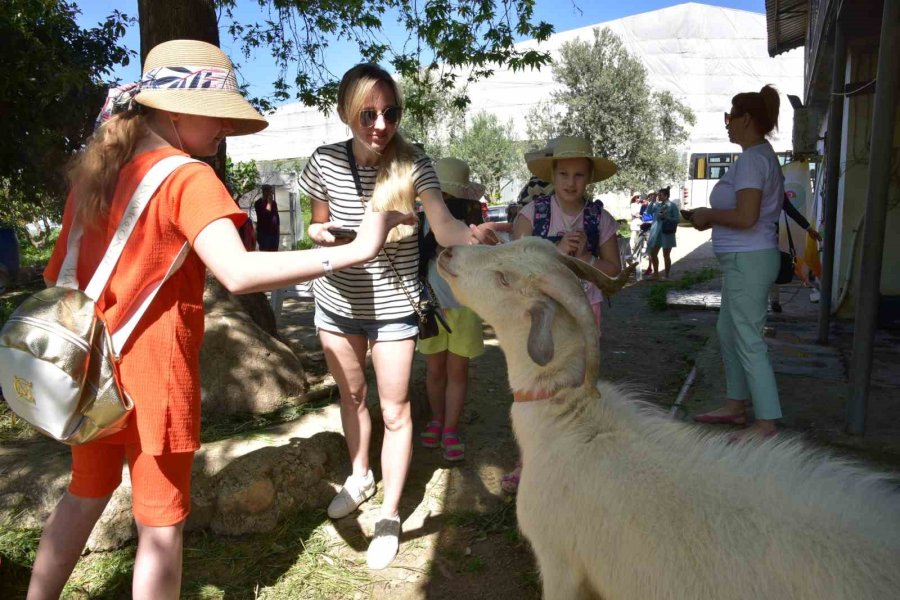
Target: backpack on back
(58,360)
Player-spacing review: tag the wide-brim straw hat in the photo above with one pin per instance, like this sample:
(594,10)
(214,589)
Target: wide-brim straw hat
(572,147)
(454,177)
(203,101)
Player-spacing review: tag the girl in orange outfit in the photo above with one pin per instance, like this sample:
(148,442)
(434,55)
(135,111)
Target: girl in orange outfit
(186,103)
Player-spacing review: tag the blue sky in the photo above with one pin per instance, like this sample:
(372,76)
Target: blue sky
(260,70)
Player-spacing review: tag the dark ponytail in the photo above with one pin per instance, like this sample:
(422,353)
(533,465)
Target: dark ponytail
(762,106)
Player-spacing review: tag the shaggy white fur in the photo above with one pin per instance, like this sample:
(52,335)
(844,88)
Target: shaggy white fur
(619,501)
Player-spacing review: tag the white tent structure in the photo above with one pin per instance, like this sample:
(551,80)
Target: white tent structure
(702,54)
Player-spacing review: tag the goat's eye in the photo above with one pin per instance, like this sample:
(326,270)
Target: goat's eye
(501,279)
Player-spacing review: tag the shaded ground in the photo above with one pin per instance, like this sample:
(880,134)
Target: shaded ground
(460,538)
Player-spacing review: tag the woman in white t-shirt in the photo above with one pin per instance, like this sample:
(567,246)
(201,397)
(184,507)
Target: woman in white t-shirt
(745,205)
(369,307)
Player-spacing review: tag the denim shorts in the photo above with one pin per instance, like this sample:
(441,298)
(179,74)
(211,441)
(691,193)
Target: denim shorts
(376,331)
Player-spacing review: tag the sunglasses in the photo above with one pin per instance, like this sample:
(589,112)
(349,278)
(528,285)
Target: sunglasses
(729,117)
(391,114)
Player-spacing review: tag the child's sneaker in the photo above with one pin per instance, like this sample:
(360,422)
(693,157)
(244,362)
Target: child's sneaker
(356,490)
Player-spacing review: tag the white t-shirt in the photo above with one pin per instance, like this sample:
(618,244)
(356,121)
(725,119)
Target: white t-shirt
(756,168)
(369,291)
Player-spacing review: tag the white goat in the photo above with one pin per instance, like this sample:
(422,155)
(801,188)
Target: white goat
(620,502)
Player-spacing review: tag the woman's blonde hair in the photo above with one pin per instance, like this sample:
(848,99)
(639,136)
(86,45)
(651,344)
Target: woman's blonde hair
(94,171)
(394,186)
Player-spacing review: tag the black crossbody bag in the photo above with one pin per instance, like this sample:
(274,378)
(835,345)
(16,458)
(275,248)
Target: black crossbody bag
(788,259)
(427,309)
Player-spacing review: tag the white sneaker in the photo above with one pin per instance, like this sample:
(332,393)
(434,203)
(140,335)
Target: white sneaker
(385,543)
(814,295)
(356,490)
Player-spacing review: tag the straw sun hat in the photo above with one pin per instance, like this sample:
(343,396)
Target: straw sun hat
(453,175)
(571,147)
(196,78)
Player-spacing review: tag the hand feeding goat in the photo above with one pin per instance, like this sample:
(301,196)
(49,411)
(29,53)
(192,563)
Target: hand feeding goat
(620,502)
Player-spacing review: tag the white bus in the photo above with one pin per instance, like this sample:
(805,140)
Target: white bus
(705,169)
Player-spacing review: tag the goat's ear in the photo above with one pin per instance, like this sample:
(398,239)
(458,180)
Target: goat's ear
(608,285)
(540,337)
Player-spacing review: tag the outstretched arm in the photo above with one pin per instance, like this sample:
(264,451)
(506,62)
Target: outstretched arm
(242,272)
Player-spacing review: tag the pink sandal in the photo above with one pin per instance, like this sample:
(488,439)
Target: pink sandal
(431,435)
(453,447)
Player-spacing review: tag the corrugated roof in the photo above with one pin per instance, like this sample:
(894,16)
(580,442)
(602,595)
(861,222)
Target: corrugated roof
(786,23)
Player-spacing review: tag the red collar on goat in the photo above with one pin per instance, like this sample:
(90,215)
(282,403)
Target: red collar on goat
(529,395)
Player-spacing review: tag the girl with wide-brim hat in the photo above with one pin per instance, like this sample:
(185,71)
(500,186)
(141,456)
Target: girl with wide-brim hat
(577,225)
(186,103)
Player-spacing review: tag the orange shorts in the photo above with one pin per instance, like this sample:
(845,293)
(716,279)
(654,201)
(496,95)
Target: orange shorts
(160,485)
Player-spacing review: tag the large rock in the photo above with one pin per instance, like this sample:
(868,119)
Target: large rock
(243,366)
(239,485)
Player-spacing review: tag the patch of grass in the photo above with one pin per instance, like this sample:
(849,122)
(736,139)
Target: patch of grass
(474,565)
(246,425)
(656,295)
(18,546)
(13,429)
(500,520)
(102,575)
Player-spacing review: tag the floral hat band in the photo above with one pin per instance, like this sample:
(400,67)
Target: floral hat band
(187,77)
(121,98)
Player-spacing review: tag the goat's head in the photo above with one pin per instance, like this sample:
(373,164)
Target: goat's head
(519,288)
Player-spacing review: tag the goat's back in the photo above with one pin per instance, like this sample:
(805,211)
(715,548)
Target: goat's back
(647,507)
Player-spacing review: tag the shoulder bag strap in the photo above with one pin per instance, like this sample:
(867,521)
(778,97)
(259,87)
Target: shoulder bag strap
(136,205)
(789,236)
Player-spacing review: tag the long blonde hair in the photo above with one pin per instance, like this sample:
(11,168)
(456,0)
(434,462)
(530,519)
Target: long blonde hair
(94,171)
(394,186)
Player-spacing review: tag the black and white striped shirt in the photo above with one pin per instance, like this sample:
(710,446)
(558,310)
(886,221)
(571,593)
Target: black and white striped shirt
(369,291)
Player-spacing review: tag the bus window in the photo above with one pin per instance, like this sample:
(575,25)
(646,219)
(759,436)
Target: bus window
(718,165)
(718,171)
(698,166)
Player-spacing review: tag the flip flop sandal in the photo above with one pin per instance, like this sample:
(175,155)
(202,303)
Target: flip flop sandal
(431,435)
(454,449)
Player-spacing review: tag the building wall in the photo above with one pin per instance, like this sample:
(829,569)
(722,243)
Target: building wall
(859,111)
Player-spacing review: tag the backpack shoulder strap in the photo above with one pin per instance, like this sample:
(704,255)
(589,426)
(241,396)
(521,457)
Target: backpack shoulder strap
(593,212)
(540,227)
(136,205)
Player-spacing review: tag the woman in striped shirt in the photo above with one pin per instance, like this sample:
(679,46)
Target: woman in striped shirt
(370,306)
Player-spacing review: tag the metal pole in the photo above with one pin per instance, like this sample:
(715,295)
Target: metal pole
(869,287)
(833,176)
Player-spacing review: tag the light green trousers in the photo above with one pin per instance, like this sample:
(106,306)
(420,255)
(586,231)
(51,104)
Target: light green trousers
(746,277)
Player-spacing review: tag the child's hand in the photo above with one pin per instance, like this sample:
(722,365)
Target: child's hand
(375,227)
(486,233)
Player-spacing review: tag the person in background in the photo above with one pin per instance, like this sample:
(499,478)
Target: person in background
(637,209)
(268,222)
(662,233)
(579,226)
(186,103)
(745,204)
(447,355)
(370,307)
